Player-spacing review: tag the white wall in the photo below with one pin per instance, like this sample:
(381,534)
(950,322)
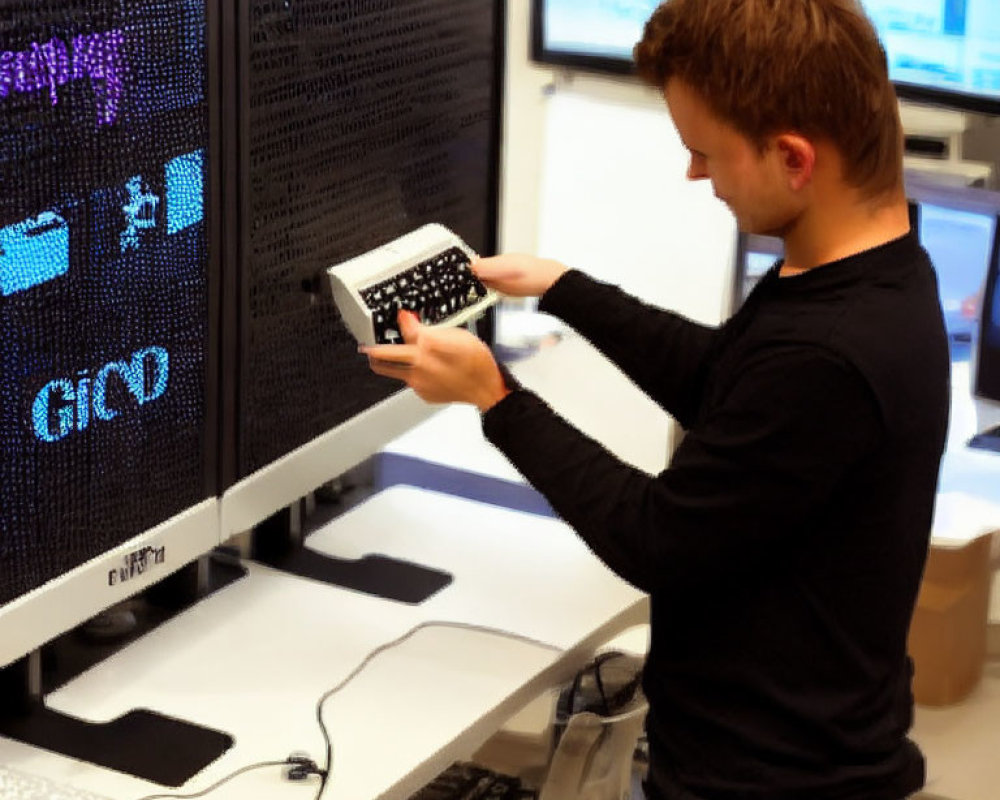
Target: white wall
(594,175)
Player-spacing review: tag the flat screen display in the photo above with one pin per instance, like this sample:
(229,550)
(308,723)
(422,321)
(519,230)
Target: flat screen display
(959,243)
(987,382)
(359,127)
(938,50)
(605,30)
(947,50)
(104,280)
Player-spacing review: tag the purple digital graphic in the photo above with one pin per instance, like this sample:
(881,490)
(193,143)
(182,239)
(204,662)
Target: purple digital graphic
(48,66)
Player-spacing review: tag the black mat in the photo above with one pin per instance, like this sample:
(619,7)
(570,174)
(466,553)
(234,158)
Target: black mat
(142,743)
(376,575)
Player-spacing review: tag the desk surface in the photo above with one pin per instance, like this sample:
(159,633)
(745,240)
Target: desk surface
(579,383)
(254,658)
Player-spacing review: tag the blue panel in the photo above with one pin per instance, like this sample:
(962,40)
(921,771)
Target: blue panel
(32,252)
(185,191)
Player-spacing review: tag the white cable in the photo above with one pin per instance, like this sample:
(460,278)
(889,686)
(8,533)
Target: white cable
(468,626)
(325,774)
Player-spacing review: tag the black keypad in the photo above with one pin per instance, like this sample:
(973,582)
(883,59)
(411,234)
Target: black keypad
(434,290)
(465,781)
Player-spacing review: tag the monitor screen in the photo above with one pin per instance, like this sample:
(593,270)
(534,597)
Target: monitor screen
(946,51)
(987,373)
(957,227)
(104,278)
(959,242)
(598,34)
(356,132)
(755,255)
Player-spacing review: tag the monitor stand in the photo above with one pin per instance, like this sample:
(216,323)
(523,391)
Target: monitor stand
(142,743)
(987,440)
(279,542)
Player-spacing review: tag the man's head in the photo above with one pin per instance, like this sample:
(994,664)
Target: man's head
(764,92)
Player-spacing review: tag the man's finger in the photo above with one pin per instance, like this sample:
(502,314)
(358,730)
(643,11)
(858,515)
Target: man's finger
(488,269)
(391,369)
(409,325)
(401,354)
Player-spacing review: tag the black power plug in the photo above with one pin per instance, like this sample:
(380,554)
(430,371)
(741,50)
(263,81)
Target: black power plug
(300,767)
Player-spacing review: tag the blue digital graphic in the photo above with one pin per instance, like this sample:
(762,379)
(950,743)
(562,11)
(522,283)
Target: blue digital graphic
(64,406)
(185,191)
(33,252)
(140,213)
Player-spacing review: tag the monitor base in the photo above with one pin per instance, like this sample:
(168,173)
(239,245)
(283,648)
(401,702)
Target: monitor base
(400,581)
(141,743)
(279,542)
(987,440)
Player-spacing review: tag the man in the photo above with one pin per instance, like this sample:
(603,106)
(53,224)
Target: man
(783,547)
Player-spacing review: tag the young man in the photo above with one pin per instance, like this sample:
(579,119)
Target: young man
(783,547)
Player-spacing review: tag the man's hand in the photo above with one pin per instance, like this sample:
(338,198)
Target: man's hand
(442,365)
(519,275)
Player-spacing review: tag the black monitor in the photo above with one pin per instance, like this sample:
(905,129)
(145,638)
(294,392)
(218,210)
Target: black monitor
(945,52)
(108,295)
(107,291)
(986,380)
(353,129)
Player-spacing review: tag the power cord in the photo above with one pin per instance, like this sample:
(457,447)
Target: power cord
(217,784)
(301,767)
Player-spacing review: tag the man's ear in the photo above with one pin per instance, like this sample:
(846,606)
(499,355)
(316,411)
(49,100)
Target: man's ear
(797,156)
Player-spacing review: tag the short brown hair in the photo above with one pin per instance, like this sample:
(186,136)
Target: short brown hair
(767,66)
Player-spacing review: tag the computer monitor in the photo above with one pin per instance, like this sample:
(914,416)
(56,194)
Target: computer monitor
(986,379)
(108,309)
(589,34)
(107,291)
(352,133)
(755,255)
(960,229)
(945,52)
(959,241)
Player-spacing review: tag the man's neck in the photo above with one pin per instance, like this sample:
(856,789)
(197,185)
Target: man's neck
(831,231)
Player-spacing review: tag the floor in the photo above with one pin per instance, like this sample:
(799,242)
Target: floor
(962,741)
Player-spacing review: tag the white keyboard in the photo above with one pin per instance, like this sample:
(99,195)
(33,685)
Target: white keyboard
(21,786)
(426,271)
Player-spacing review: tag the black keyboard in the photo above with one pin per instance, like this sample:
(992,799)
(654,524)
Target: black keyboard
(435,289)
(464,781)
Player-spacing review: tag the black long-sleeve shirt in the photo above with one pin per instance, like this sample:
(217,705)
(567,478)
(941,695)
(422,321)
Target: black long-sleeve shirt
(783,546)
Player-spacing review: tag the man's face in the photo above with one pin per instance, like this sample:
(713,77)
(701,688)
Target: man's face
(752,183)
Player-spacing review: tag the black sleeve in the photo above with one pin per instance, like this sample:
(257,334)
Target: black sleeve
(742,480)
(662,352)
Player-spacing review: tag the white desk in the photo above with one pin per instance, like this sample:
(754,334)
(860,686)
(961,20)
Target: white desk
(254,658)
(579,383)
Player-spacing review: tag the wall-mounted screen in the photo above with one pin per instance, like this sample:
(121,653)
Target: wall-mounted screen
(591,34)
(945,51)
(941,51)
(104,278)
